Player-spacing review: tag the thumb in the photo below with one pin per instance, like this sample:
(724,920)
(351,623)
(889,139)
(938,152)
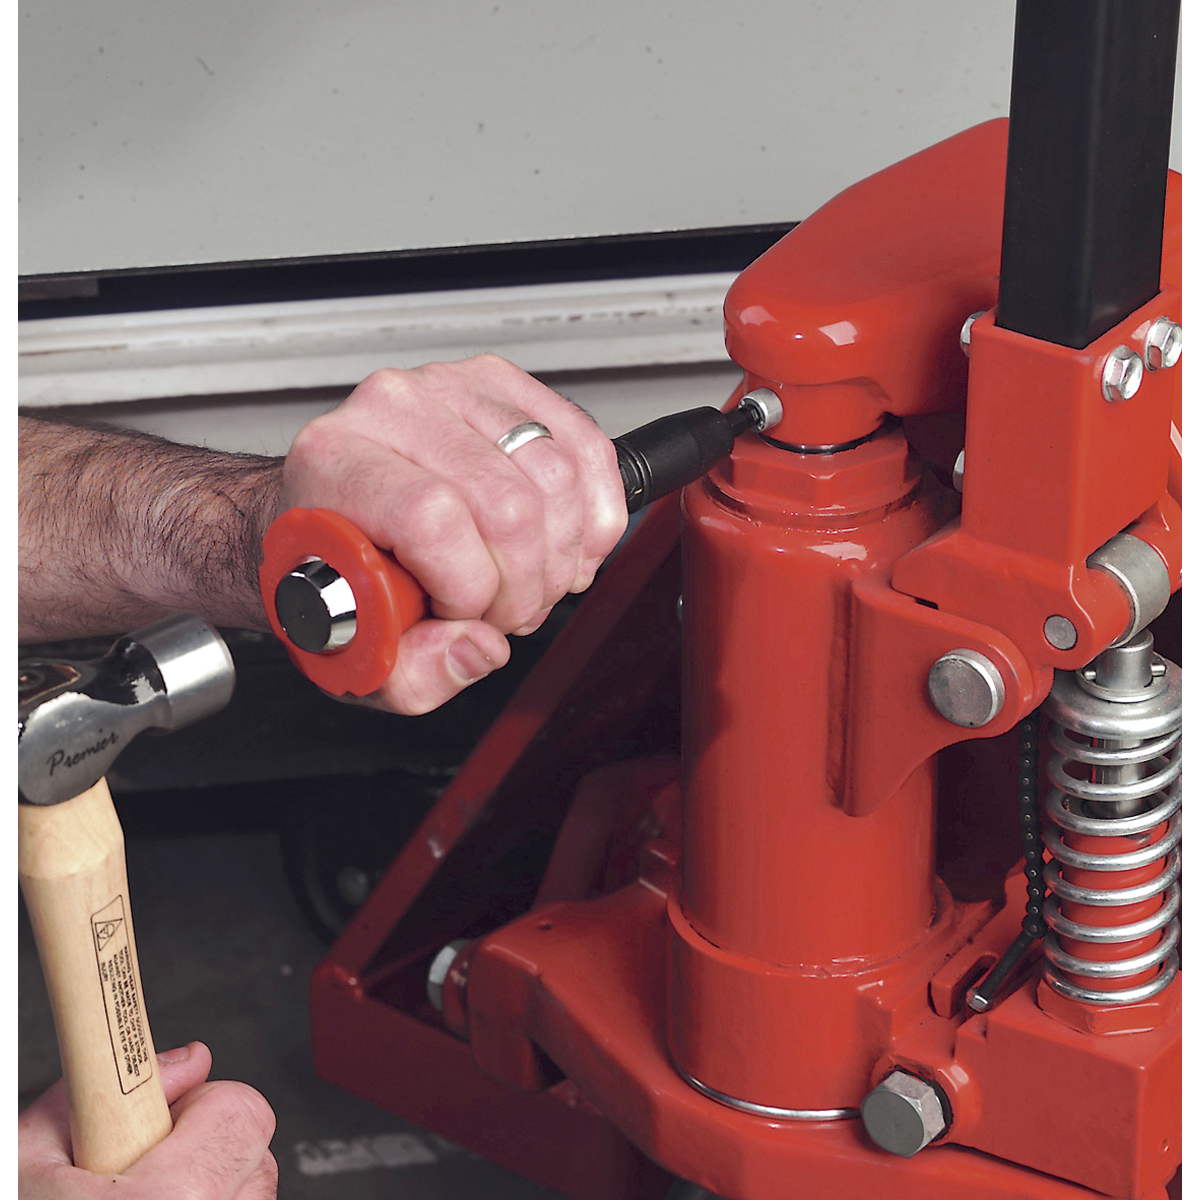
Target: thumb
(183,1068)
(436,660)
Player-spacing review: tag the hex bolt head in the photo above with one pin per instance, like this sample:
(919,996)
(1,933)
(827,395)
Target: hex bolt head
(439,969)
(964,334)
(1122,374)
(966,688)
(1164,344)
(903,1114)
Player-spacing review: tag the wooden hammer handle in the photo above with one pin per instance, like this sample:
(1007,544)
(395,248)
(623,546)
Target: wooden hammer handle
(71,861)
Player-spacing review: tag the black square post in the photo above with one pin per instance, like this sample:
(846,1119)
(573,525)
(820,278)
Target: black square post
(1089,140)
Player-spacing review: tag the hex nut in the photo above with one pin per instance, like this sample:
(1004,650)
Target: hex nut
(1164,344)
(439,970)
(903,1114)
(1122,374)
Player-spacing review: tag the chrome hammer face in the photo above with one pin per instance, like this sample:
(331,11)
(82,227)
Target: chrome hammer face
(74,718)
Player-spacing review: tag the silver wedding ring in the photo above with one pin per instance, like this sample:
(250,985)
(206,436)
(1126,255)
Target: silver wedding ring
(518,435)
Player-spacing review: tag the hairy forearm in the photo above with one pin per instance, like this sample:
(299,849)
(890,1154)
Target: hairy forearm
(117,529)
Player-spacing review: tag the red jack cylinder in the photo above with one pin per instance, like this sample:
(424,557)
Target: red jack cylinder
(778,924)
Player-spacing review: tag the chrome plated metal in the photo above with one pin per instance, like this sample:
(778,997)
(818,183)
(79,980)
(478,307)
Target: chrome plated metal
(767,1110)
(522,435)
(316,607)
(903,1114)
(439,969)
(765,407)
(74,717)
(964,334)
(1121,374)
(966,688)
(195,665)
(1143,577)
(1164,344)
(960,464)
(1115,731)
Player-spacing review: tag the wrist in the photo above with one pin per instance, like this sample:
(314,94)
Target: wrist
(204,534)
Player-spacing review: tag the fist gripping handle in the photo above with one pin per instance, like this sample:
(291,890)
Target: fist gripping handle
(340,604)
(303,606)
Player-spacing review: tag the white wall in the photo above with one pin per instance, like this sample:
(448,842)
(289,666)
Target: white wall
(156,132)
(174,131)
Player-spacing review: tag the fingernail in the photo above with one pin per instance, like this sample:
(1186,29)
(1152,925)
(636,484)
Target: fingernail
(534,625)
(583,581)
(181,1054)
(468,662)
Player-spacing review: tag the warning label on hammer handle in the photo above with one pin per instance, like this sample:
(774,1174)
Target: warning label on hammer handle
(122,992)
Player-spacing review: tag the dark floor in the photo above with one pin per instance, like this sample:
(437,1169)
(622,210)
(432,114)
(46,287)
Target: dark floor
(225,957)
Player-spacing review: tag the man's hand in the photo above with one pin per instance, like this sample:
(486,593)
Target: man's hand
(217,1150)
(118,529)
(496,540)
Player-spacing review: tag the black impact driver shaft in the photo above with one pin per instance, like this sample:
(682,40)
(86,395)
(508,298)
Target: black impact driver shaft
(665,455)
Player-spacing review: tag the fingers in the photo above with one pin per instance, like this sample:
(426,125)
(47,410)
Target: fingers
(217,1148)
(44,1128)
(264,1183)
(594,459)
(421,518)
(411,457)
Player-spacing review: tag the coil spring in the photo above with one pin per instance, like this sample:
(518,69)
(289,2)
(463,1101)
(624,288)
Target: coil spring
(1129,712)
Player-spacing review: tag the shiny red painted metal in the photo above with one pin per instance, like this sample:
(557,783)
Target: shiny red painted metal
(857,312)
(785,922)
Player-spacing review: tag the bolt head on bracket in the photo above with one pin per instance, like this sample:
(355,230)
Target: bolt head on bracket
(1164,344)
(903,1114)
(964,334)
(1122,374)
(439,970)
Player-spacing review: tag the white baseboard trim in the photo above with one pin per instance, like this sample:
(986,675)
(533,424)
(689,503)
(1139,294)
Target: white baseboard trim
(322,343)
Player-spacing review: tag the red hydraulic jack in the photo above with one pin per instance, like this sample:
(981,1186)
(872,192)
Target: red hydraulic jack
(728,892)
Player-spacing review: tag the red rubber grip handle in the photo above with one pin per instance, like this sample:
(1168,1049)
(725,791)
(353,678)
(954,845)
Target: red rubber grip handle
(388,600)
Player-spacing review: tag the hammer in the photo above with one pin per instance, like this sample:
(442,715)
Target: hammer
(73,720)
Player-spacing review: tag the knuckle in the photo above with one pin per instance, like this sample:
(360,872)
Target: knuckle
(385,390)
(387,381)
(241,1128)
(434,512)
(264,1184)
(514,510)
(247,1108)
(312,442)
(559,475)
(494,363)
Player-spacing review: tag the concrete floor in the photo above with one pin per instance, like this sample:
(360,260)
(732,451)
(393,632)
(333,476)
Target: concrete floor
(225,957)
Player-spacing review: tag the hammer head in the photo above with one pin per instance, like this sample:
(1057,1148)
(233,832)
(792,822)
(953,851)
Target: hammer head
(74,718)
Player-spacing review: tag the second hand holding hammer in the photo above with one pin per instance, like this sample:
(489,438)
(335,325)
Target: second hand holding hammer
(73,720)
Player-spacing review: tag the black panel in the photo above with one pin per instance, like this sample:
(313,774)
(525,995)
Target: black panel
(674,253)
(1089,139)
